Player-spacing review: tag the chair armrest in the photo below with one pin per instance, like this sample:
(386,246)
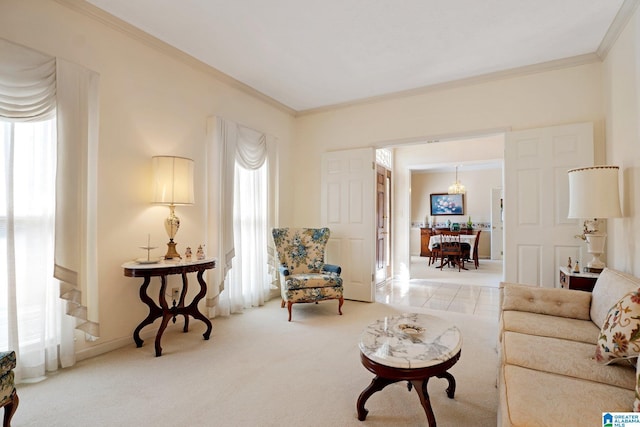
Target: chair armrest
(284,270)
(332,268)
(552,301)
(7,361)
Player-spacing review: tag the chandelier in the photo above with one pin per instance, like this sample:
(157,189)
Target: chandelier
(456,187)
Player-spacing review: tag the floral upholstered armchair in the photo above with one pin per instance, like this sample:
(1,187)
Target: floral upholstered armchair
(304,276)
(8,395)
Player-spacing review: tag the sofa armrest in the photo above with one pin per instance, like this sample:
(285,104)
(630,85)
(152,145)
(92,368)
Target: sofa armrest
(552,301)
(332,268)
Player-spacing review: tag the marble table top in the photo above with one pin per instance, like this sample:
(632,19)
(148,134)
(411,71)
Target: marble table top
(410,341)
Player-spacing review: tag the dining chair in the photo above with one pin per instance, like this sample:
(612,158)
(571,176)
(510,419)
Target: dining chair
(435,248)
(476,263)
(470,253)
(451,250)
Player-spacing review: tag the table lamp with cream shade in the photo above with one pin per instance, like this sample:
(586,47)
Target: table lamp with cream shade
(172,185)
(593,195)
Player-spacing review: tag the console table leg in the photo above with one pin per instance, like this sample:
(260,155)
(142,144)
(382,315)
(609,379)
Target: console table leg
(163,326)
(377,384)
(185,286)
(154,311)
(194,305)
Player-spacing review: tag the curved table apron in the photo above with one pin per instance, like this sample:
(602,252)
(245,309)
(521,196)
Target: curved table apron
(393,356)
(178,308)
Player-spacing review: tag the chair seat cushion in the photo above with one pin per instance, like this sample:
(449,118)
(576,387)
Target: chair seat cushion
(312,280)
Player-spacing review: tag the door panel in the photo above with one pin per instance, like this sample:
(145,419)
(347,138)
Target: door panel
(383,177)
(496,224)
(347,208)
(538,234)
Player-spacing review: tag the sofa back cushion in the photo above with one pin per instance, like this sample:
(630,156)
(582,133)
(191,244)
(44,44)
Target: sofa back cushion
(610,287)
(554,302)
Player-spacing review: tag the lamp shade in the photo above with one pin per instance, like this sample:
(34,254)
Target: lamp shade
(594,193)
(172,180)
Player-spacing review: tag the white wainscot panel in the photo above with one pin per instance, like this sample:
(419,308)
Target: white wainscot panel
(529,258)
(528,194)
(333,203)
(355,202)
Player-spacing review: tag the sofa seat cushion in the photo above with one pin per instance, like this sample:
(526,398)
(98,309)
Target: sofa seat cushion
(533,398)
(550,326)
(564,357)
(312,280)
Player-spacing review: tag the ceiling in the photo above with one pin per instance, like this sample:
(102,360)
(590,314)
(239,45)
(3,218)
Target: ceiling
(310,54)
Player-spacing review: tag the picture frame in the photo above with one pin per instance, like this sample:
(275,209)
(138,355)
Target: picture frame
(447,204)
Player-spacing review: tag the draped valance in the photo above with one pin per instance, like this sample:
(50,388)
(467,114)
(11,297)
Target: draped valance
(27,83)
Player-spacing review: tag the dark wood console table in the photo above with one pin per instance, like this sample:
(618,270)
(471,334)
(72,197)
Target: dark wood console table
(163,269)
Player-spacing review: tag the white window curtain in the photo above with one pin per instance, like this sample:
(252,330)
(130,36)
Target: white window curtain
(36,87)
(30,310)
(243,202)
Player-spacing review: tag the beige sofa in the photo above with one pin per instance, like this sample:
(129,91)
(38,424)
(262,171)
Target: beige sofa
(548,375)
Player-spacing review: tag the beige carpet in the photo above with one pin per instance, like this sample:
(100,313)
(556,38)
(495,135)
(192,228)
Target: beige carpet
(260,370)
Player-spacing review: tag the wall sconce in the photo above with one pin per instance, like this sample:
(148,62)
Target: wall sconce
(172,185)
(593,194)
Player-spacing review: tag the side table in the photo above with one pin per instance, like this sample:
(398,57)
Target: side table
(163,269)
(579,281)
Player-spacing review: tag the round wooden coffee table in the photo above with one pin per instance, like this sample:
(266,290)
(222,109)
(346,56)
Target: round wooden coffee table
(409,347)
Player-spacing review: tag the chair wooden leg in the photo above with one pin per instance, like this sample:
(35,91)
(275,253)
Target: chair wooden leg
(10,409)
(340,302)
(282,304)
(289,304)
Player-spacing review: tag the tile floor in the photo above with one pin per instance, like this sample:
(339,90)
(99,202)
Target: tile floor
(477,293)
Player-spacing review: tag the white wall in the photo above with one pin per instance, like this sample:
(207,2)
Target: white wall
(568,95)
(477,199)
(622,102)
(151,103)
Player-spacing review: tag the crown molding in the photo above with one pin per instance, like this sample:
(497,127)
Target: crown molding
(619,22)
(93,12)
(484,78)
(99,15)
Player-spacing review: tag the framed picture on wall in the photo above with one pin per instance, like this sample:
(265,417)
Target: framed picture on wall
(447,204)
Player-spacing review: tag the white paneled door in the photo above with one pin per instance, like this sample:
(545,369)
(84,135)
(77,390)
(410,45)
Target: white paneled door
(539,238)
(347,204)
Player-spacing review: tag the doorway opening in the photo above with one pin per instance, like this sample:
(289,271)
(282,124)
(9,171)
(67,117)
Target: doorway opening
(427,168)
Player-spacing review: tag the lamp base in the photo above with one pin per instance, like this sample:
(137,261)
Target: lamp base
(595,246)
(171,251)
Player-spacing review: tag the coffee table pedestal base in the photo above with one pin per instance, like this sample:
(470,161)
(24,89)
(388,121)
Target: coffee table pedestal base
(416,378)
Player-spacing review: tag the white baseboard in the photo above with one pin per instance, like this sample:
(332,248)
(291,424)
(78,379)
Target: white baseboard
(105,347)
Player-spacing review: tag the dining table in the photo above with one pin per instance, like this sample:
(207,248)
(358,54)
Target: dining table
(464,238)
